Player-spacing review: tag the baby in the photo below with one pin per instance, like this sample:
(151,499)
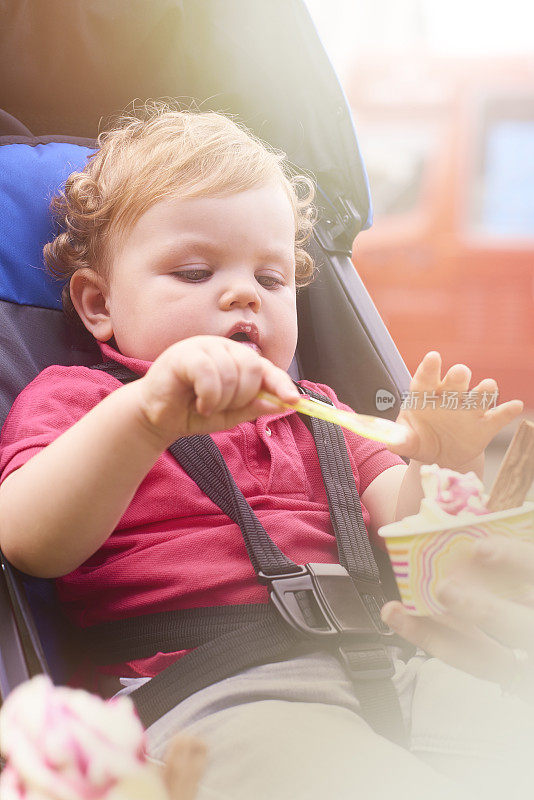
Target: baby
(181,248)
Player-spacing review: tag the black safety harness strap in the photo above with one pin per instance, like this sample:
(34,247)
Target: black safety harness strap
(315,606)
(354,548)
(248,646)
(182,629)
(200,457)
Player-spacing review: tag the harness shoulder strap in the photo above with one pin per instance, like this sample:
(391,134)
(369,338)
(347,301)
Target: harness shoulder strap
(355,552)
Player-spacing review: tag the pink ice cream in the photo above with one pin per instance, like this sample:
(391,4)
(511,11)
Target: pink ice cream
(449,498)
(66,744)
(452,491)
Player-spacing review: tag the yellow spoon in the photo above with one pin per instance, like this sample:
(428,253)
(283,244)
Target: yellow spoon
(376,428)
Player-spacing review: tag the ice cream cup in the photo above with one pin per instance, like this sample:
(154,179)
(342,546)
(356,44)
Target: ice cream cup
(422,559)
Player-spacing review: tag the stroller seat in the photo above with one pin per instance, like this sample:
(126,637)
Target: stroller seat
(341,334)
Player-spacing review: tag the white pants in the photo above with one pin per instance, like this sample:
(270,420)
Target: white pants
(292,731)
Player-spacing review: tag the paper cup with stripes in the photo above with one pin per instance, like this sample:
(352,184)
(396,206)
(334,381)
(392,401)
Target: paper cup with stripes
(421,560)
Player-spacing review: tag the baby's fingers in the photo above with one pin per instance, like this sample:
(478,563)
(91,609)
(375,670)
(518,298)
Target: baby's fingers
(205,380)
(217,383)
(278,382)
(247,378)
(241,375)
(487,387)
(497,418)
(428,374)
(457,378)
(185,760)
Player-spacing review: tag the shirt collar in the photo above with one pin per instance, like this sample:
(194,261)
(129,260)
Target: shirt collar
(135,364)
(109,353)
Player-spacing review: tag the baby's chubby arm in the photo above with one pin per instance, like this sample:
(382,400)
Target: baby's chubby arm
(58,508)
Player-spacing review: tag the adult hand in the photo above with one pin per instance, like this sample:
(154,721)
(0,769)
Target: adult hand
(448,423)
(480,632)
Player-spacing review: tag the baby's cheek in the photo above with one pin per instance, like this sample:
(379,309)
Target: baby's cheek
(285,346)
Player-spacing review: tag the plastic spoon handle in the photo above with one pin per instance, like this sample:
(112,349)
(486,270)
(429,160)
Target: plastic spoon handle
(376,428)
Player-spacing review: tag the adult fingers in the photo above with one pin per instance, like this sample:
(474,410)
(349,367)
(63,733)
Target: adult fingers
(509,623)
(458,644)
(516,557)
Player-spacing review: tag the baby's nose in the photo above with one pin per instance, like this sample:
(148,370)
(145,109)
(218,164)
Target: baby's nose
(241,294)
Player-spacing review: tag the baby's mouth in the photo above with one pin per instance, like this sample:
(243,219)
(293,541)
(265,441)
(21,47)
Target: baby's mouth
(243,337)
(246,333)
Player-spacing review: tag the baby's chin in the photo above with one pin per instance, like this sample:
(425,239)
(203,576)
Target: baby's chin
(279,360)
(282,357)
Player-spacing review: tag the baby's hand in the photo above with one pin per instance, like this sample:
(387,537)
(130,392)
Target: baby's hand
(208,383)
(446,432)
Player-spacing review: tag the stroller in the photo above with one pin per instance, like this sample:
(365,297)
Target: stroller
(259,60)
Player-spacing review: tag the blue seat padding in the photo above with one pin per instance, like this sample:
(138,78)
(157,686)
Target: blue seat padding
(31,172)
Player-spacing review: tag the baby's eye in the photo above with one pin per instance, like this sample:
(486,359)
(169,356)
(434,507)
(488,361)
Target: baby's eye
(269,281)
(193,275)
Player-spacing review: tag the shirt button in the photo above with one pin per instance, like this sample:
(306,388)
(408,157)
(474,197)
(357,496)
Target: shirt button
(268,431)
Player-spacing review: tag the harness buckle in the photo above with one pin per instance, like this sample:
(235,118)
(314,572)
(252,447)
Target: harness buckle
(324,601)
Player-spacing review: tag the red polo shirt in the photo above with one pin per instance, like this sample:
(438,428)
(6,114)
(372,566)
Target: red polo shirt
(174,548)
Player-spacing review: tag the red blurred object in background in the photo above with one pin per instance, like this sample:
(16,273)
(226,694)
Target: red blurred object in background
(449,260)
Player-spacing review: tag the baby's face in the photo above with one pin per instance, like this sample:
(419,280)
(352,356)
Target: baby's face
(223,266)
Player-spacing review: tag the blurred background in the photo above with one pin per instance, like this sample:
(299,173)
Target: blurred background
(442,96)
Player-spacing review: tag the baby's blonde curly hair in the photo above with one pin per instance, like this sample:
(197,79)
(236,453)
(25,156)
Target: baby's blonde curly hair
(162,153)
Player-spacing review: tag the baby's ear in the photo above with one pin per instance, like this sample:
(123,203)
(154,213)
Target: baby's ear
(88,292)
